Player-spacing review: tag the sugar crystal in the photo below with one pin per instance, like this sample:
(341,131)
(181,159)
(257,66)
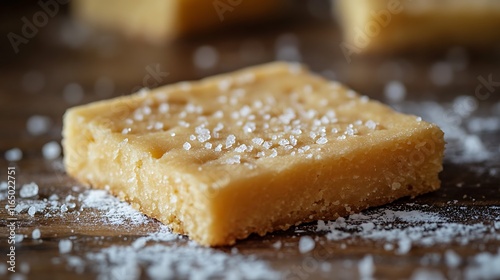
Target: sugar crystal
(306,244)
(38,125)
(29,190)
(65,246)
(51,150)
(14,154)
(35,234)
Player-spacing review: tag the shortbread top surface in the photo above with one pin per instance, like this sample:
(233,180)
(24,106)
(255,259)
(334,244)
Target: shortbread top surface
(253,121)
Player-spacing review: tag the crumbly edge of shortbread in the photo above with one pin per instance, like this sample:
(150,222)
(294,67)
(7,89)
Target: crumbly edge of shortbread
(206,218)
(101,159)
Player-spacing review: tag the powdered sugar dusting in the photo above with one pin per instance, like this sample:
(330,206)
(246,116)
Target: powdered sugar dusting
(113,211)
(366,268)
(157,257)
(462,129)
(160,254)
(403,229)
(14,154)
(306,244)
(101,204)
(485,266)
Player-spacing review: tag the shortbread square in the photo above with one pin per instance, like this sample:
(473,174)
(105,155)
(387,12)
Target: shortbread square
(158,21)
(253,151)
(382,26)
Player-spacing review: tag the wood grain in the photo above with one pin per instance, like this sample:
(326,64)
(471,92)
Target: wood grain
(473,188)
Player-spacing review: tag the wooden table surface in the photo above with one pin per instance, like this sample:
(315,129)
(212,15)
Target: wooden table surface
(32,82)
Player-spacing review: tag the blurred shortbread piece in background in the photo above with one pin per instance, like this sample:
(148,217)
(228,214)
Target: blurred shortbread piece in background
(374,26)
(158,20)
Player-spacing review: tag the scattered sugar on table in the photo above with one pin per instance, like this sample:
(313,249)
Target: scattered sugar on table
(29,190)
(38,125)
(65,246)
(366,268)
(205,57)
(36,234)
(14,154)
(51,150)
(306,244)
(395,91)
